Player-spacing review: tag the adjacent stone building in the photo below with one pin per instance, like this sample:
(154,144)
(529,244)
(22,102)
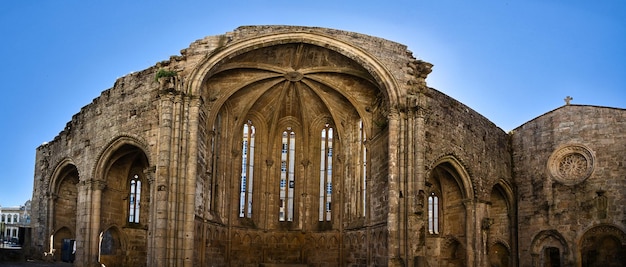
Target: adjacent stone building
(309,146)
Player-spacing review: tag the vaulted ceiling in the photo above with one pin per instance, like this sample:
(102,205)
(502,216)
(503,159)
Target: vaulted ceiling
(300,82)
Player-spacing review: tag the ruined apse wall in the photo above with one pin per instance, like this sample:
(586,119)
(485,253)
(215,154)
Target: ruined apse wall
(361,243)
(569,167)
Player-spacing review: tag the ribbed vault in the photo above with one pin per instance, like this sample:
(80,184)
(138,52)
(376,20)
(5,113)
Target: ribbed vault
(295,81)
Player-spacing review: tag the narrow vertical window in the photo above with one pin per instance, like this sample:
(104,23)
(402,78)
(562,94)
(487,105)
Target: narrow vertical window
(287,175)
(363,178)
(134,199)
(433,214)
(326,173)
(247,171)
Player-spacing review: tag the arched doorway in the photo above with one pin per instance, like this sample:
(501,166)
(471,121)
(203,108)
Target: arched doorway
(64,209)
(111,250)
(63,245)
(549,249)
(604,246)
(499,255)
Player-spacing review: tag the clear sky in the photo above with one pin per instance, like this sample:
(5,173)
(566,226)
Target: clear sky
(509,60)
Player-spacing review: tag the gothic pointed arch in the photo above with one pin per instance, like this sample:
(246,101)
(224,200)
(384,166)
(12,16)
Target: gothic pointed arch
(112,247)
(448,188)
(63,193)
(549,248)
(60,172)
(603,245)
(59,236)
(123,169)
(117,144)
(306,94)
(499,254)
(451,164)
(378,73)
(501,226)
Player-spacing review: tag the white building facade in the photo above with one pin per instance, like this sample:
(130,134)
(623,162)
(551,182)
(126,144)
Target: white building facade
(11,219)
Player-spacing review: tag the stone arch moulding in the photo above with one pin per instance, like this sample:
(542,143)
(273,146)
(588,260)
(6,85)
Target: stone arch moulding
(115,253)
(387,84)
(571,164)
(59,229)
(500,241)
(603,229)
(602,245)
(463,179)
(118,230)
(103,157)
(507,192)
(57,174)
(547,238)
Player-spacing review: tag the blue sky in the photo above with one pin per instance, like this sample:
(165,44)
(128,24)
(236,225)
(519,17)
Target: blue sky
(509,60)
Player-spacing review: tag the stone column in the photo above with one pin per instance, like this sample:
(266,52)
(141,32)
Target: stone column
(162,178)
(416,169)
(96,187)
(394,219)
(175,177)
(470,232)
(267,207)
(404,177)
(191,124)
(483,223)
(176,194)
(51,198)
(149,174)
(82,221)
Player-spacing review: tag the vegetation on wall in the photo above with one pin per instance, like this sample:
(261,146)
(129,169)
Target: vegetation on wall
(163,73)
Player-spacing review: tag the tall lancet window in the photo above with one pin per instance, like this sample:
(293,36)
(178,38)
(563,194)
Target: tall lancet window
(247,170)
(433,214)
(326,173)
(134,199)
(287,176)
(363,169)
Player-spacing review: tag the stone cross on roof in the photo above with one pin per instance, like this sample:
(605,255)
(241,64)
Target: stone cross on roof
(568,99)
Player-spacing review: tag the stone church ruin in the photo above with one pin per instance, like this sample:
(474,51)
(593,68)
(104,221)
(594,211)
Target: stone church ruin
(303,146)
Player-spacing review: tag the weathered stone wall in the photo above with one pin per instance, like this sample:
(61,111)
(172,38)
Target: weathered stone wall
(452,128)
(565,202)
(127,109)
(465,156)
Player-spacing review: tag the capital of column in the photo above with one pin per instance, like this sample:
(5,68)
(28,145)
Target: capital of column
(305,162)
(149,174)
(93,184)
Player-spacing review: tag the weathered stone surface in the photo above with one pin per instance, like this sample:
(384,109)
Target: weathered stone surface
(416,177)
